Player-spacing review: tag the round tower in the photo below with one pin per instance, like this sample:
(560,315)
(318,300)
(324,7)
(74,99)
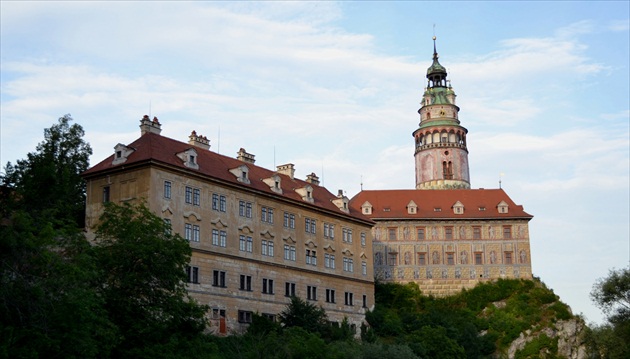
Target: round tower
(441,155)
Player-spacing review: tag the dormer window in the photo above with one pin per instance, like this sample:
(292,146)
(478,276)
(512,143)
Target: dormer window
(412,208)
(306,193)
(502,207)
(458,208)
(241,173)
(366,208)
(121,152)
(274,183)
(437,209)
(341,202)
(189,158)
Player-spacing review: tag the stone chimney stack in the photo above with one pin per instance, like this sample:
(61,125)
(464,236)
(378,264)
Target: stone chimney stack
(148,126)
(312,179)
(245,157)
(287,169)
(199,141)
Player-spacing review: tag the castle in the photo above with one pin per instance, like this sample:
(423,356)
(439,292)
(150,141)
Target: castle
(260,236)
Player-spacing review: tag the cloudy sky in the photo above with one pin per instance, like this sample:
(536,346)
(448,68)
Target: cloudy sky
(334,88)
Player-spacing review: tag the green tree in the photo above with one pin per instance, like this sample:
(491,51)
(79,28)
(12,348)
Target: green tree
(300,313)
(144,268)
(47,184)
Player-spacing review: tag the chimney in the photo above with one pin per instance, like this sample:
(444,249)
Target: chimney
(199,141)
(148,126)
(245,157)
(312,179)
(340,193)
(287,169)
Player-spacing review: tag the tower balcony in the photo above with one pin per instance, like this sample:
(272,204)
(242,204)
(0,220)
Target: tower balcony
(420,147)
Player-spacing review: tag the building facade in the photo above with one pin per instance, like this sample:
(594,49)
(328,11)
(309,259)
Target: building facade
(444,235)
(258,236)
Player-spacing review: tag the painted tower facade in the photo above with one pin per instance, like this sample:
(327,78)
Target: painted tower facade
(441,154)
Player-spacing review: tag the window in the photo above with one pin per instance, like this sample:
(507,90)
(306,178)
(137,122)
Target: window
(219,238)
(241,208)
(244,316)
(217,313)
(422,259)
(349,300)
(508,257)
(271,317)
(476,232)
(196,233)
(364,268)
(167,189)
(168,228)
(392,234)
(196,196)
(289,220)
(188,197)
(507,232)
(450,258)
(311,257)
(192,274)
(346,235)
(266,215)
(191,159)
(245,243)
(218,278)
(329,261)
(309,225)
(348,265)
(289,289)
(329,230)
(311,292)
(448,232)
(420,233)
(364,301)
(330,295)
(289,252)
(478,258)
(267,248)
(246,283)
(222,203)
(393,259)
(188,231)
(105,194)
(363,239)
(248,210)
(267,286)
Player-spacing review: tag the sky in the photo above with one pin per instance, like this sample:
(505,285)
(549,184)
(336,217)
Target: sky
(334,87)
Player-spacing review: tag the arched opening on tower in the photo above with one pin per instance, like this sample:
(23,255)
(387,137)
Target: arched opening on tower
(447,170)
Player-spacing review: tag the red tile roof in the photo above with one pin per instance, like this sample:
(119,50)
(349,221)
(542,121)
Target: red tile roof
(392,204)
(154,148)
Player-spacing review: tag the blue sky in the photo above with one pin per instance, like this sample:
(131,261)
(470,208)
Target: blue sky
(334,88)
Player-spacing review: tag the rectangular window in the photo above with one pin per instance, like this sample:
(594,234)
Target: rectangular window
(363,235)
(267,286)
(329,261)
(349,298)
(478,258)
(392,234)
(393,259)
(289,289)
(420,232)
(215,201)
(188,231)
(267,248)
(215,237)
(307,225)
(311,292)
(188,195)
(222,203)
(422,259)
(292,221)
(285,222)
(245,243)
(508,257)
(192,274)
(167,189)
(246,283)
(244,316)
(218,278)
(364,301)
(507,232)
(330,295)
(476,232)
(346,235)
(168,228)
(196,196)
(241,208)
(329,230)
(105,194)
(450,258)
(311,257)
(196,232)
(248,210)
(448,232)
(348,265)
(266,214)
(289,252)
(364,268)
